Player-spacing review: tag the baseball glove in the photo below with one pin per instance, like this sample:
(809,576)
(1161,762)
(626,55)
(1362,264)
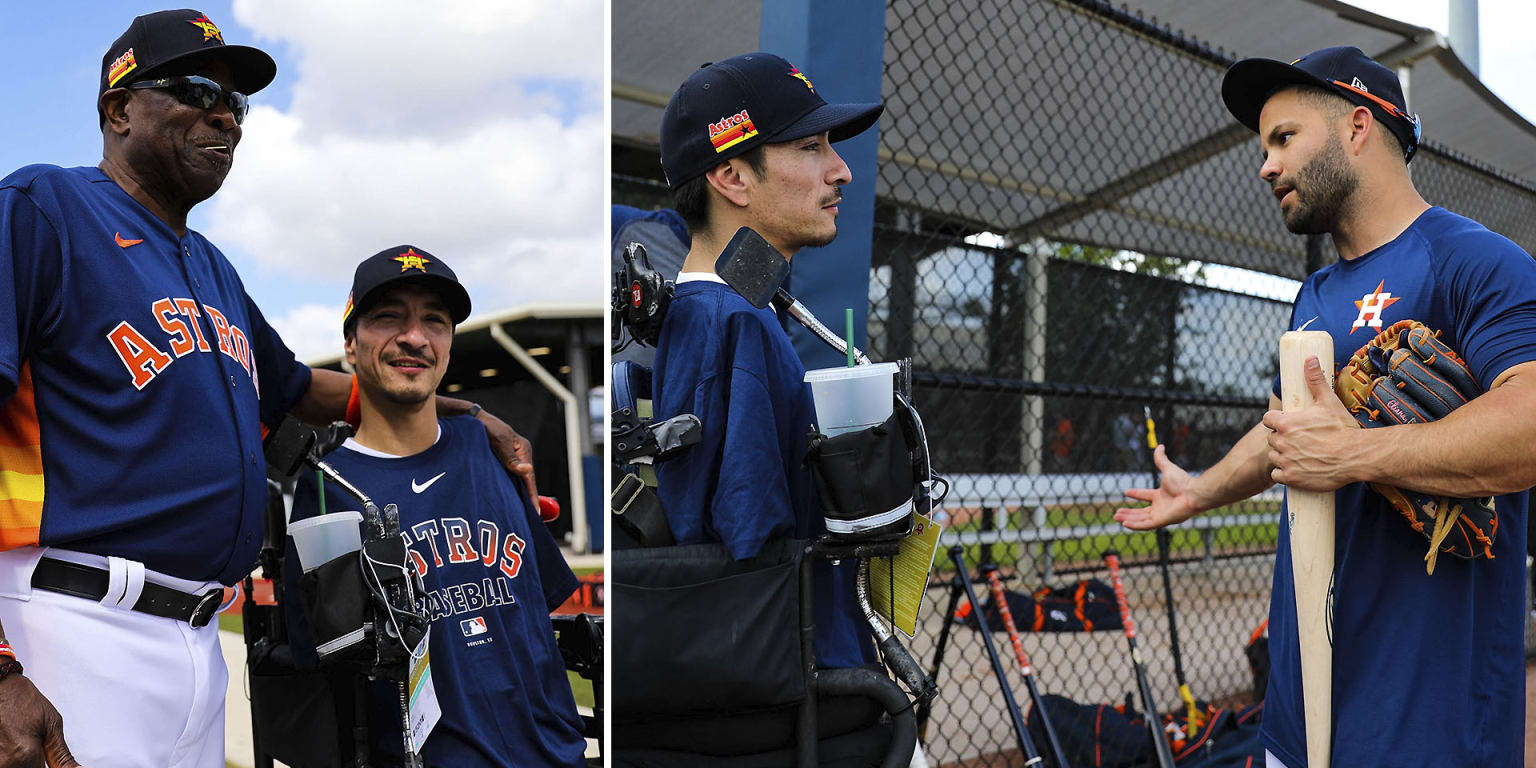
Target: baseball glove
(1407,376)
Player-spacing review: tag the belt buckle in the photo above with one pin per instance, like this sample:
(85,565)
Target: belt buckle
(206,608)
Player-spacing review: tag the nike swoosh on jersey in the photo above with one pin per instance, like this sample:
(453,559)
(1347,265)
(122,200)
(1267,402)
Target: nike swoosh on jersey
(122,243)
(1309,322)
(428,484)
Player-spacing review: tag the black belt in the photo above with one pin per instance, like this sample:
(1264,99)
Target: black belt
(91,583)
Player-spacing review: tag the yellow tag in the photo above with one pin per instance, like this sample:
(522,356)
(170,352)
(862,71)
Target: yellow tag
(912,565)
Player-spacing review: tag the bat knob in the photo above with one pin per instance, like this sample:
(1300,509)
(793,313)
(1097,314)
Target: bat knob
(549,509)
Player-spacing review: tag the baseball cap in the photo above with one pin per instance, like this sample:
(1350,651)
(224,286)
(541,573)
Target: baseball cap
(155,40)
(727,108)
(1344,70)
(405,263)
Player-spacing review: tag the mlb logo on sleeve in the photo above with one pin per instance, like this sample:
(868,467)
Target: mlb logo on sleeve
(472,627)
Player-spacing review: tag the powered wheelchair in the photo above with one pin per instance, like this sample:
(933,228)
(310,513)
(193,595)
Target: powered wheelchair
(718,657)
(324,717)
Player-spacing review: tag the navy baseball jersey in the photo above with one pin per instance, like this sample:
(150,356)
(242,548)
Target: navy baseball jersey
(732,365)
(136,375)
(1447,650)
(493,574)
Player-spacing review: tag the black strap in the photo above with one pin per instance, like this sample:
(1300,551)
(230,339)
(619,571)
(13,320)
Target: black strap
(91,583)
(637,509)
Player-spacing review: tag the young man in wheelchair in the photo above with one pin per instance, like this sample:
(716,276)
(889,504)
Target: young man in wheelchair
(490,569)
(747,142)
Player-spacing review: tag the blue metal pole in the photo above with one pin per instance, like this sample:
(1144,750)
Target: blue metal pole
(840,45)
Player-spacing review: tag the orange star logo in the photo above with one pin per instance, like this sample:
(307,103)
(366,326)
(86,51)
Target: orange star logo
(412,260)
(210,30)
(1371,306)
(794,72)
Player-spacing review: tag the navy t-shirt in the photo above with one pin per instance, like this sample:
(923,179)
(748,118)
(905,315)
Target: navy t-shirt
(493,574)
(1428,670)
(732,365)
(135,375)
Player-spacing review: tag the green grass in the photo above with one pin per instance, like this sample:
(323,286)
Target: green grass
(581,688)
(1132,545)
(582,572)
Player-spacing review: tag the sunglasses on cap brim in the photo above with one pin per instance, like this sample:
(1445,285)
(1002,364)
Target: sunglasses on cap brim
(1391,109)
(200,92)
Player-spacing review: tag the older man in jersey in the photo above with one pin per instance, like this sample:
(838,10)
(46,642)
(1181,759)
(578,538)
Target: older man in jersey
(492,570)
(1428,670)
(136,379)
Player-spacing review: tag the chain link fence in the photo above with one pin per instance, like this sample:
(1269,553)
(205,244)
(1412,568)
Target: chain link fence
(1071,233)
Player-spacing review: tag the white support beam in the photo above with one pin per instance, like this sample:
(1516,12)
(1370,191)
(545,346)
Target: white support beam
(578,501)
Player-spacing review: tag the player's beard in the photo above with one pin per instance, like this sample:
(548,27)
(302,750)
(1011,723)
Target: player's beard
(1324,187)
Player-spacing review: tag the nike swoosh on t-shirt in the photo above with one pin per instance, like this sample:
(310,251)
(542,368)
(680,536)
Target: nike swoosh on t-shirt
(428,484)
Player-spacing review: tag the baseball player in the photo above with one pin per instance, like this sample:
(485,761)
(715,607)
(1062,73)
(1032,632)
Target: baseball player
(748,142)
(136,378)
(1428,669)
(492,570)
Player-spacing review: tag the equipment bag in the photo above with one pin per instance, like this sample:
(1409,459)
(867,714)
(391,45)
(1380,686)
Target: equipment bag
(1086,606)
(1109,736)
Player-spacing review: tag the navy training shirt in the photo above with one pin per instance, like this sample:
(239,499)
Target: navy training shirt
(1428,670)
(733,366)
(493,574)
(135,374)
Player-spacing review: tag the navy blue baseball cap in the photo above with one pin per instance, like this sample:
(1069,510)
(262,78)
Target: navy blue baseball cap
(404,263)
(157,40)
(1344,70)
(729,107)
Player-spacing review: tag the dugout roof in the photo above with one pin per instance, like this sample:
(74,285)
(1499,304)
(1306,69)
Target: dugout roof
(1076,121)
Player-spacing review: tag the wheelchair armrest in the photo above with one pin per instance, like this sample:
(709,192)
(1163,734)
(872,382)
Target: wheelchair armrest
(862,681)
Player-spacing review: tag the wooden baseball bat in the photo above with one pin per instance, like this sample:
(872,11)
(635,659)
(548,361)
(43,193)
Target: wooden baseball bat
(1000,599)
(1154,718)
(1309,516)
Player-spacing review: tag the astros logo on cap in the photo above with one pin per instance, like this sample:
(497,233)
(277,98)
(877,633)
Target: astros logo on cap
(122,66)
(210,30)
(730,131)
(794,72)
(347,311)
(412,260)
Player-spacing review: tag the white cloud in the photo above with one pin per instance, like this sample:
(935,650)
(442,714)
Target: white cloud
(405,66)
(471,129)
(311,330)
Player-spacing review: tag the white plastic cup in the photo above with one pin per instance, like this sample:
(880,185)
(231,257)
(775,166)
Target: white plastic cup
(323,538)
(851,399)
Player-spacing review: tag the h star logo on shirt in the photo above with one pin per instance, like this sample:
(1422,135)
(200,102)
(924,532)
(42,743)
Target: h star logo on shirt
(1371,306)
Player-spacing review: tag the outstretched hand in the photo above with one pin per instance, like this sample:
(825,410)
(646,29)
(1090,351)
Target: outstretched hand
(31,732)
(1169,503)
(1311,448)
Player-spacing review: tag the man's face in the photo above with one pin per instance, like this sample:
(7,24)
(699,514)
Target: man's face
(400,345)
(1305,163)
(182,151)
(795,200)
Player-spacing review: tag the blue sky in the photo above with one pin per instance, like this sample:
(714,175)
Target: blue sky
(472,129)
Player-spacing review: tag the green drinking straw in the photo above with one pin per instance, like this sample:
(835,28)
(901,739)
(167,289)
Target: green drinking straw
(848,323)
(320,477)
